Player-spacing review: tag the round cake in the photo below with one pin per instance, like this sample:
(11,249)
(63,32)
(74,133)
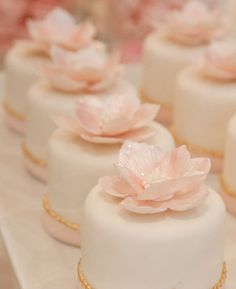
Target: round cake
(167,51)
(169,251)
(204,103)
(160,242)
(161,62)
(228,179)
(74,168)
(21,72)
(45,103)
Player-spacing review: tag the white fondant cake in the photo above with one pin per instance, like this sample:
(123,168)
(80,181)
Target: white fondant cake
(166,52)
(169,250)
(229,168)
(44,104)
(162,60)
(202,109)
(21,72)
(74,168)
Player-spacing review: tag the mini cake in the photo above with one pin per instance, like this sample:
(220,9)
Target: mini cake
(205,101)
(25,58)
(70,76)
(167,51)
(86,147)
(155,225)
(228,179)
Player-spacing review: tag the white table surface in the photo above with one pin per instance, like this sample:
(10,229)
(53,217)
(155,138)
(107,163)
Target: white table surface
(40,262)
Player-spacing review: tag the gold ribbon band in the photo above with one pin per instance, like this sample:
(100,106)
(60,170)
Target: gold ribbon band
(146,98)
(226,188)
(30,156)
(195,148)
(53,214)
(11,112)
(219,284)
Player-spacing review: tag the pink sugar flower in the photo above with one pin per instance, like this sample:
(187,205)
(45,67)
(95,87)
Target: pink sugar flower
(151,181)
(111,119)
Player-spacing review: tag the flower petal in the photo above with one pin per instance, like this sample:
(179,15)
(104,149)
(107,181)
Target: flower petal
(188,201)
(115,186)
(145,114)
(145,207)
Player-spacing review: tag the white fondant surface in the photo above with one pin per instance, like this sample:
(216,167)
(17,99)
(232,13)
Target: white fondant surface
(161,62)
(46,103)
(170,250)
(229,171)
(22,71)
(75,166)
(202,110)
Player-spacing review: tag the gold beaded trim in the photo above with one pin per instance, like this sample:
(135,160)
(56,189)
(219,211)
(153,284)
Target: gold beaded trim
(29,155)
(9,110)
(47,207)
(195,148)
(145,98)
(226,188)
(219,285)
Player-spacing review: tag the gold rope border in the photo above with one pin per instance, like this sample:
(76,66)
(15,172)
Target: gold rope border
(195,148)
(53,214)
(30,156)
(11,112)
(219,284)
(145,98)
(226,188)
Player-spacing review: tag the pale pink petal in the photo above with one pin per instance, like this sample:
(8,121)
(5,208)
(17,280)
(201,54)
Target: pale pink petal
(145,114)
(188,201)
(115,186)
(200,165)
(136,162)
(166,188)
(145,207)
(64,83)
(100,139)
(176,162)
(89,116)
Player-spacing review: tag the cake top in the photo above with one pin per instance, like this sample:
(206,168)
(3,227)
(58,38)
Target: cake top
(150,181)
(111,118)
(218,61)
(88,69)
(194,24)
(59,28)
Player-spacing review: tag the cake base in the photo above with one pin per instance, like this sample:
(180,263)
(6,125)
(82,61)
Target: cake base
(40,173)
(35,166)
(14,120)
(60,232)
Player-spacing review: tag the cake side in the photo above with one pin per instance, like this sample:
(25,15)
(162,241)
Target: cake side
(202,110)
(173,250)
(161,62)
(69,153)
(21,72)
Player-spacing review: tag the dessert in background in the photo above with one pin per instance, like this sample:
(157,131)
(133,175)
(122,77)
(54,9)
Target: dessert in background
(25,58)
(205,101)
(228,178)
(85,148)
(70,75)
(166,51)
(154,224)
